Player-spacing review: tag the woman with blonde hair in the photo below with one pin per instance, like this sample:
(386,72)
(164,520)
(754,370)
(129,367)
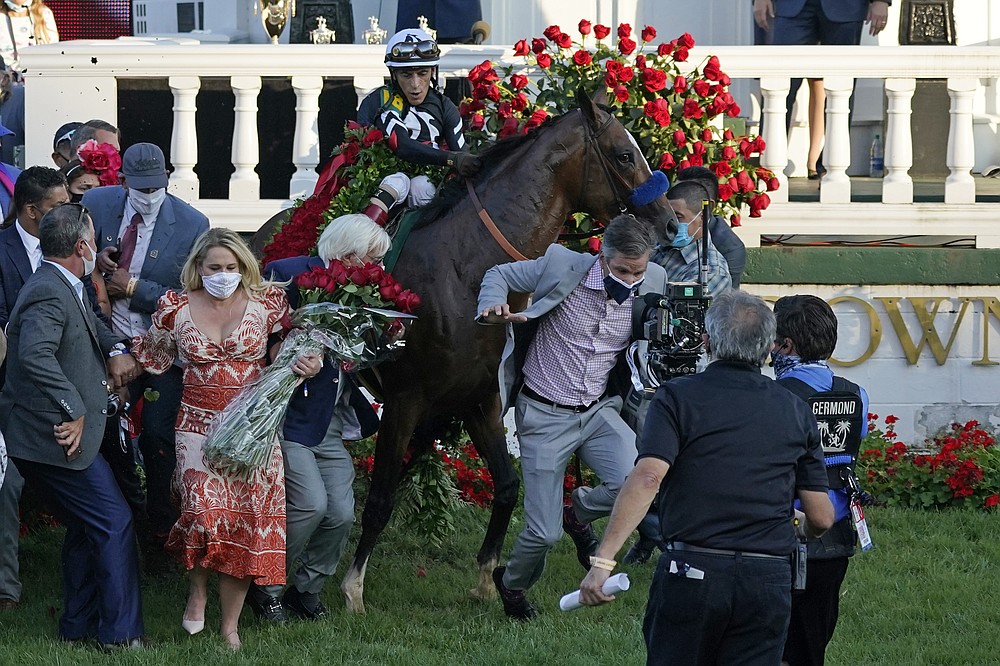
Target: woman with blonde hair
(221,328)
(25,23)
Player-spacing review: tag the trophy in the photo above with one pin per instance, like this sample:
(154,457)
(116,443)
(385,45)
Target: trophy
(274,15)
(375,34)
(322,34)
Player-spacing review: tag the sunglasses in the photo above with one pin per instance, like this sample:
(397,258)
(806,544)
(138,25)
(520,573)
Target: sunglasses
(423,50)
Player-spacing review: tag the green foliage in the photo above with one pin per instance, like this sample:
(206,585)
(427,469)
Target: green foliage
(428,500)
(961,468)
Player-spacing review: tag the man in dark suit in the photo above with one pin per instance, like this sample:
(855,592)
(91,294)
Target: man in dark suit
(38,190)
(144,236)
(54,408)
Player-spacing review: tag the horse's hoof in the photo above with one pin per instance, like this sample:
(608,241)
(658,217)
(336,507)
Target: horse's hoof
(353,587)
(487,594)
(356,606)
(485,589)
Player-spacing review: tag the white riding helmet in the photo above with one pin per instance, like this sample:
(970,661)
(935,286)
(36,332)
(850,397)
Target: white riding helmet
(412,47)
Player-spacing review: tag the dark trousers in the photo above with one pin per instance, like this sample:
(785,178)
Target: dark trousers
(156,443)
(100,563)
(736,615)
(814,612)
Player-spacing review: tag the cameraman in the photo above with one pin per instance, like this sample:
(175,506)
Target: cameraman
(723,237)
(728,450)
(573,333)
(806,337)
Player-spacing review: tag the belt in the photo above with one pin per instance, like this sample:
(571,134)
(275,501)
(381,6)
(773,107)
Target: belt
(579,409)
(681,546)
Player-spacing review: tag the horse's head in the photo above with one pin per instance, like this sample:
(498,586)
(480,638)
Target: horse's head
(613,168)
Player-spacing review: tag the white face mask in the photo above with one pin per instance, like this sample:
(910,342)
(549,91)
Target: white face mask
(89,264)
(221,285)
(14,7)
(147,204)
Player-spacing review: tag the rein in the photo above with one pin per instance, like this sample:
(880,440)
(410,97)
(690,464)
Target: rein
(492,227)
(602,159)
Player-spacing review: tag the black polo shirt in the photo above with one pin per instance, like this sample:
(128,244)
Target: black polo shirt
(739,446)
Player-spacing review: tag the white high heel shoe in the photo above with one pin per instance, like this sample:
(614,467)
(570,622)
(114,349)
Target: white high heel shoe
(192,626)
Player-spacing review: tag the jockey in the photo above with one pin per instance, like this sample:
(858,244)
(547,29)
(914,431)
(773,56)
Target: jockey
(424,125)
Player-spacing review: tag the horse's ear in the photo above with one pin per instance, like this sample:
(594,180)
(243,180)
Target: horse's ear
(589,106)
(600,97)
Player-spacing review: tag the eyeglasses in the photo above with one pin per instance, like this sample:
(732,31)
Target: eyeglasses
(423,50)
(66,137)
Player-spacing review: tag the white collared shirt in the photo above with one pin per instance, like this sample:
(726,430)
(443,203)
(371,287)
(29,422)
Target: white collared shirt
(31,246)
(74,281)
(125,321)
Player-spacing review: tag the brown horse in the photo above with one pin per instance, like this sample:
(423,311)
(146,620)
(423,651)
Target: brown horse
(584,160)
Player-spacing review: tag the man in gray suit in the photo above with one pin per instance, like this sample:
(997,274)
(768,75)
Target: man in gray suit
(144,236)
(54,409)
(575,330)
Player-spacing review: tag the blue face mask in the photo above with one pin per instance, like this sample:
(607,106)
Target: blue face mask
(683,239)
(618,289)
(782,363)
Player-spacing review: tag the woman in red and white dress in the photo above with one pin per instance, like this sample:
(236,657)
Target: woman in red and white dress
(221,328)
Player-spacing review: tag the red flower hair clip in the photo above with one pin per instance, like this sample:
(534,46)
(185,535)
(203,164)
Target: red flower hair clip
(102,159)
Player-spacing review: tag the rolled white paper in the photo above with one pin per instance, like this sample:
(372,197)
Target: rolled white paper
(613,585)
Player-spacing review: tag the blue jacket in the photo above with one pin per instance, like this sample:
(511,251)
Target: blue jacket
(838,11)
(309,416)
(177,226)
(5,197)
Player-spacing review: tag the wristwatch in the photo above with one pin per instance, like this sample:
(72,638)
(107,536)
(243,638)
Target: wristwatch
(117,349)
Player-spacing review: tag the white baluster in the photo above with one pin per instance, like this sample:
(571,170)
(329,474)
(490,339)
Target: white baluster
(774,90)
(836,186)
(184,140)
(959,187)
(363,85)
(305,147)
(897,186)
(244,185)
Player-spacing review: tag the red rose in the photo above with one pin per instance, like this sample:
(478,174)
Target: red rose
(667,162)
(537,118)
(701,87)
(686,40)
(734,220)
(350,152)
(680,54)
(684,164)
(744,182)
(727,152)
(725,192)
(582,58)
(621,93)
(504,110)
(518,81)
(326,283)
(648,33)
(698,148)
(626,74)
(640,62)
(654,79)
(544,60)
(305,281)
(357,276)
(552,32)
(759,145)
(521,48)
(696,160)
(483,73)
(624,31)
(510,128)
(353,125)
(519,102)
(613,66)
(563,40)
(692,109)
(493,92)
(712,71)
(680,84)
(610,80)
(772,184)
(759,203)
(371,138)
(93,158)
(746,148)
(680,140)
(594,245)
(721,169)
(664,49)
(706,134)
(537,45)
(373,272)
(626,46)
(393,142)
(601,31)
(478,122)
(584,27)
(724,79)
(659,111)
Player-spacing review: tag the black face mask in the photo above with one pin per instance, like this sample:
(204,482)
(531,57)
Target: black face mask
(617,289)
(75,198)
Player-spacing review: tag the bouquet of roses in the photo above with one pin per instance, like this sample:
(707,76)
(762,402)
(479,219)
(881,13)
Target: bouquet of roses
(345,314)
(102,159)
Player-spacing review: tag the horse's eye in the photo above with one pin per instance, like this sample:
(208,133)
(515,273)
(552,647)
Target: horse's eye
(625,158)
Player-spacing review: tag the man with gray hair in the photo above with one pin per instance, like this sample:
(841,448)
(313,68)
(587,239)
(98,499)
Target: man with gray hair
(738,448)
(569,341)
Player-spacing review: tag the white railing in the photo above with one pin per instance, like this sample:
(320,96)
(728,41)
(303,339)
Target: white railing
(78,80)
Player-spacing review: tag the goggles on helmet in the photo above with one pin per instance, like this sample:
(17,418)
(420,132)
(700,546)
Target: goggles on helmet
(410,54)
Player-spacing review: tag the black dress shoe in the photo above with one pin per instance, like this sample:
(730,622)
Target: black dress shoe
(135,644)
(305,605)
(640,552)
(265,606)
(515,602)
(582,534)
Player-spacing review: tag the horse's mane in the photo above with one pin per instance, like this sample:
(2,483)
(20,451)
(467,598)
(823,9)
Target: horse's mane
(454,189)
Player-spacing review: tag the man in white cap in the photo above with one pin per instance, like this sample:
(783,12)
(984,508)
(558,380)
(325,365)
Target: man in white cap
(144,236)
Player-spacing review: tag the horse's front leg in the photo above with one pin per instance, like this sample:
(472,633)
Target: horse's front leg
(398,422)
(485,427)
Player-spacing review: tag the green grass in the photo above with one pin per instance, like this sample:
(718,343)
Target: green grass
(926,595)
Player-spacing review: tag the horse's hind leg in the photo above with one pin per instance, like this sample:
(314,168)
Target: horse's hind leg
(485,427)
(398,422)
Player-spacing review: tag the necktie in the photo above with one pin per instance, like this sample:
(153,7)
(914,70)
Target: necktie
(127,243)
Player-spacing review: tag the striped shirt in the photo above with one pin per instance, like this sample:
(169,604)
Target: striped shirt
(684,264)
(578,342)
